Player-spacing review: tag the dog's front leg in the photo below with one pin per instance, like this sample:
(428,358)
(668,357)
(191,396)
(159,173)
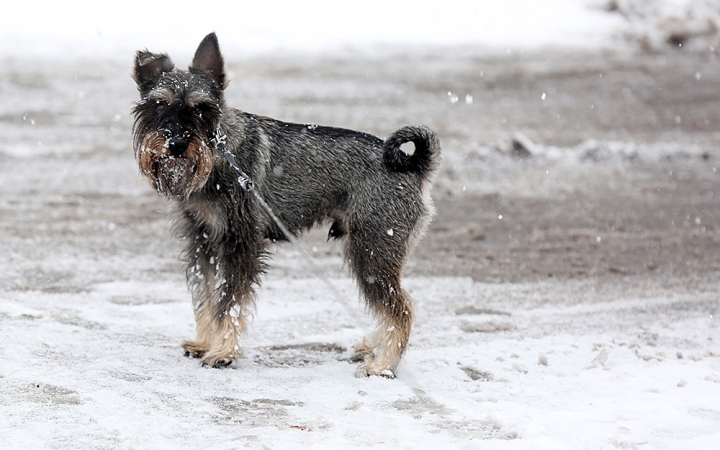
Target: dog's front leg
(222,279)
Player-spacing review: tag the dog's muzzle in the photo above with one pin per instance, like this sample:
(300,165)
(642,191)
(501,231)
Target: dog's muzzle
(177,146)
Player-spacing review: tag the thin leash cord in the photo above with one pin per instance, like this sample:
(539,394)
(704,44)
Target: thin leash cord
(413,383)
(410,380)
(320,274)
(247,184)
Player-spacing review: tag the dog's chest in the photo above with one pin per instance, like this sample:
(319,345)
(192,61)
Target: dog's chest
(210,214)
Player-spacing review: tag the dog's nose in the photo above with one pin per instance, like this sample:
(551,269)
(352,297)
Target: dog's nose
(177,146)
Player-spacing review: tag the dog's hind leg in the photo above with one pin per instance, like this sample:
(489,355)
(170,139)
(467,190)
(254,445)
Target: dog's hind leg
(377,260)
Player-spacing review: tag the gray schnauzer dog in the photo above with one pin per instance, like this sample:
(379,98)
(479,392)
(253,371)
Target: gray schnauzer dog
(374,195)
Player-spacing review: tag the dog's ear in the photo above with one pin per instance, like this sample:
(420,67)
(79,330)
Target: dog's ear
(148,65)
(208,58)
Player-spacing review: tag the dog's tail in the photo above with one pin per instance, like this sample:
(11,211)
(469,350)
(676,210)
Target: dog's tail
(426,158)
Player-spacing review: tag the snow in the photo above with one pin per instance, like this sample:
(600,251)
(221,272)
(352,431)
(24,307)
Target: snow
(93,306)
(281,25)
(500,364)
(655,24)
(83,28)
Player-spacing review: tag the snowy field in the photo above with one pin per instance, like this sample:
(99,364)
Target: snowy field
(567,294)
(541,365)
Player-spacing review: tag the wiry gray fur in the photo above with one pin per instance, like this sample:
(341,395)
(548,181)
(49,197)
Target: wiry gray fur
(375,196)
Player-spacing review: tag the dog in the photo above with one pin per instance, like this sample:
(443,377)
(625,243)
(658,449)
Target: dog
(374,195)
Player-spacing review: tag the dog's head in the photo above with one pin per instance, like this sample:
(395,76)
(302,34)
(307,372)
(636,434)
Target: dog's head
(177,116)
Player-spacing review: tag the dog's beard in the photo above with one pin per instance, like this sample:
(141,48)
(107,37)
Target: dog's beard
(175,176)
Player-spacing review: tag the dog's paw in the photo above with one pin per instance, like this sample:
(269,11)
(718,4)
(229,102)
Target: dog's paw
(220,364)
(194,349)
(365,371)
(387,373)
(217,361)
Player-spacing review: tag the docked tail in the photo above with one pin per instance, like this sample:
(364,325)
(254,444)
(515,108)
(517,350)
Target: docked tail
(426,158)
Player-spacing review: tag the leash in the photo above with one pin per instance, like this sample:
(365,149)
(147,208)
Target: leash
(247,185)
(245,181)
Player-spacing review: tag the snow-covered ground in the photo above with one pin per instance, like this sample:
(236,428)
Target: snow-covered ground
(93,303)
(549,365)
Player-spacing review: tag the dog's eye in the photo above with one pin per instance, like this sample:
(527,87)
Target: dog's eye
(199,109)
(160,107)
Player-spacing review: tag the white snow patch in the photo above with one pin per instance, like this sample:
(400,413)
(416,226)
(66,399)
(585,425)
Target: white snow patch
(78,27)
(105,372)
